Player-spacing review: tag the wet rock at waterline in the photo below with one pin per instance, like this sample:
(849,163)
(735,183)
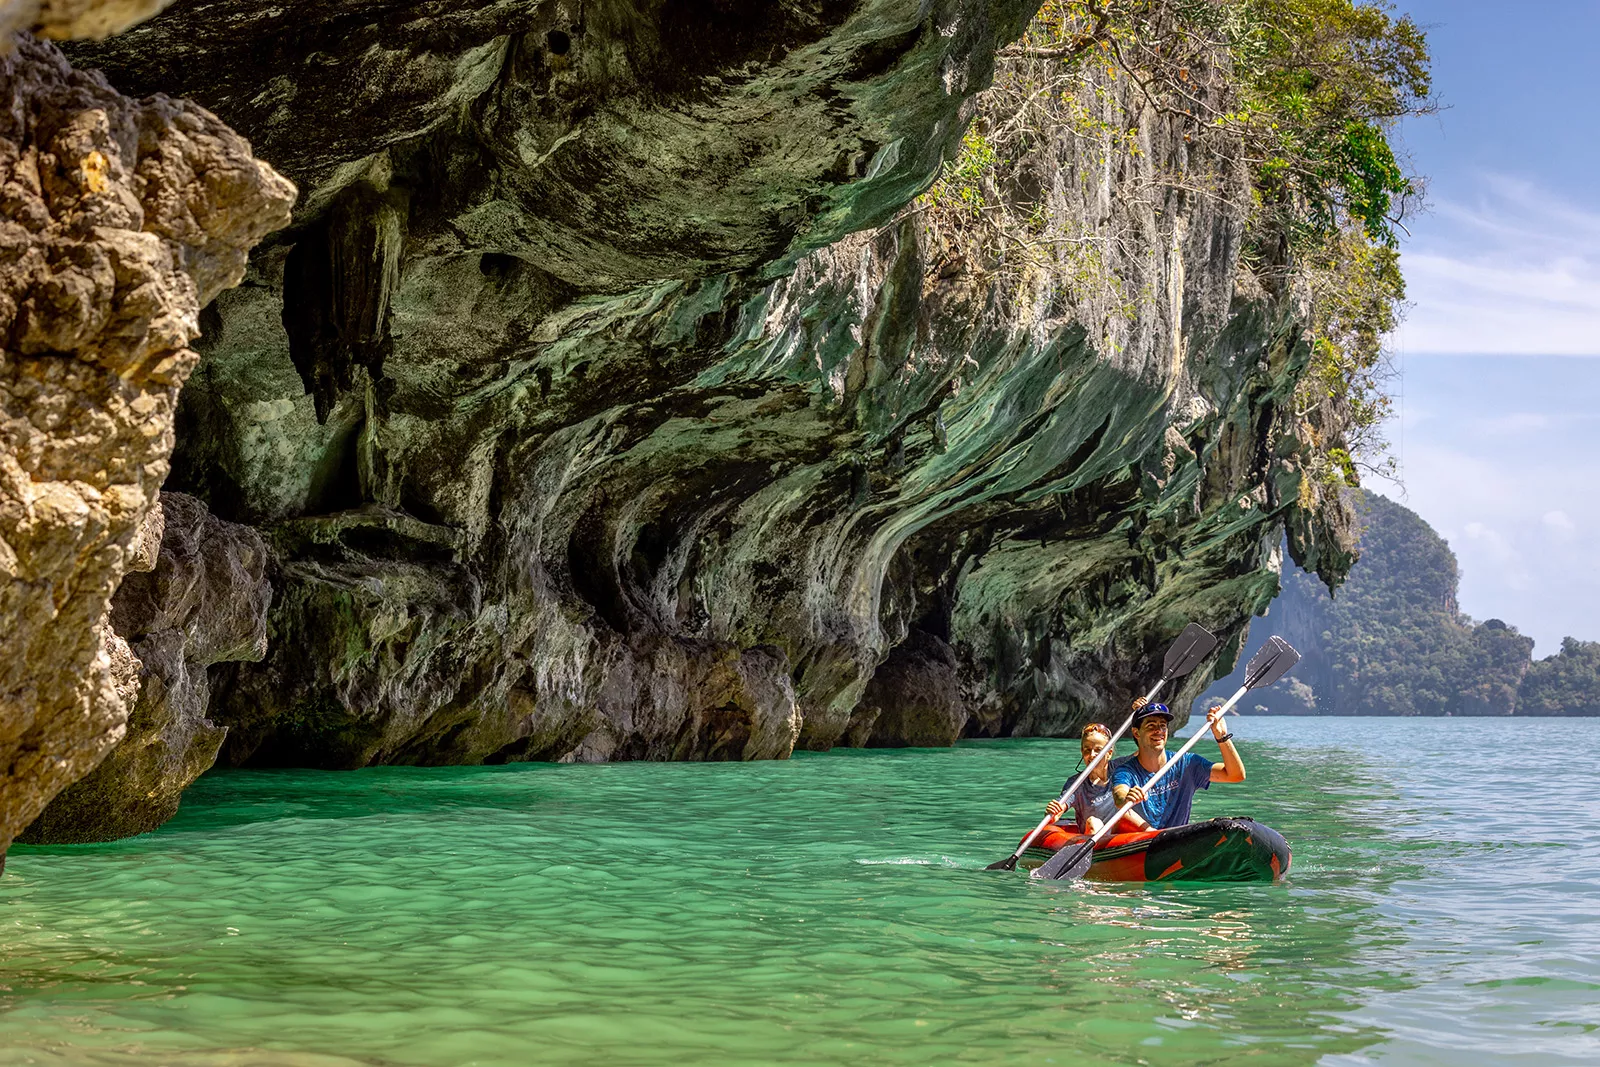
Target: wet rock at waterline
(203,602)
(914,699)
(121,219)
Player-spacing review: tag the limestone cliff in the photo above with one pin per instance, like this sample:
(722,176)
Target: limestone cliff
(609,399)
(71,20)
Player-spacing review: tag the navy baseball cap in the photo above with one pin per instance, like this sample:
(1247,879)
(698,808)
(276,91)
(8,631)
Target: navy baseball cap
(1151,711)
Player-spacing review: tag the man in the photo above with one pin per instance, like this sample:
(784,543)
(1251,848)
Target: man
(1167,805)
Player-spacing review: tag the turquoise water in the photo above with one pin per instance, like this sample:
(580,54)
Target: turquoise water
(831,910)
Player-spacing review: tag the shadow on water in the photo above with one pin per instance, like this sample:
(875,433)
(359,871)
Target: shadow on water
(832,909)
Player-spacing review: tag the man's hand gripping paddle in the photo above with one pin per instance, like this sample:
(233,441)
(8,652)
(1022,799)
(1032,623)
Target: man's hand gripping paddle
(1192,646)
(1265,667)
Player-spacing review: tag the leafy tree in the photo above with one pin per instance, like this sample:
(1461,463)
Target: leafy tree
(1324,82)
(1567,683)
(1490,673)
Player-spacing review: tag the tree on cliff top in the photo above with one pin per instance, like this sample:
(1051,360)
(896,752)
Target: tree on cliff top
(1325,82)
(1311,89)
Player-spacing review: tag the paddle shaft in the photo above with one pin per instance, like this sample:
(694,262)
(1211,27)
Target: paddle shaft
(1165,767)
(1099,758)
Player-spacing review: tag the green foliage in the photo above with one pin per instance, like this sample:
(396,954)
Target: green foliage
(1311,87)
(1322,84)
(1356,289)
(960,187)
(1567,683)
(1393,640)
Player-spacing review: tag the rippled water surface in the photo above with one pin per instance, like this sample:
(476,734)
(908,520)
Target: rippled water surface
(831,909)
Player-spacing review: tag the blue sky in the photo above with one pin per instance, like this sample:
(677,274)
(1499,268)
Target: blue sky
(1498,433)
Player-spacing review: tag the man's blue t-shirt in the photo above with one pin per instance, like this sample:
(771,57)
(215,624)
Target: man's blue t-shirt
(1168,804)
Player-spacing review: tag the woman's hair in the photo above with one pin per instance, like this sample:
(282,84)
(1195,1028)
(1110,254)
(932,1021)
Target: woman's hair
(1094,728)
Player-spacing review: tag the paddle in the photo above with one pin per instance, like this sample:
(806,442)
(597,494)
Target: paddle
(1266,666)
(1192,646)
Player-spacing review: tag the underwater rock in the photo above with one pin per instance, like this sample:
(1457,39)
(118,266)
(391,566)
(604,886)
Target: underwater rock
(121,219)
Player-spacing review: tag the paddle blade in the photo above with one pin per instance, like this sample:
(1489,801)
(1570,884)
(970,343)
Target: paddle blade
(1192,646)
(1272,662)
(1007,864)
(1067,865)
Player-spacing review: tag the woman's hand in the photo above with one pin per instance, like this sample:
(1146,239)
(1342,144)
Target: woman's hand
(1094,825)
(1055,809)
(1139,702)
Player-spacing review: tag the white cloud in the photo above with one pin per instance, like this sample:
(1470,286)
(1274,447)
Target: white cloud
(1560,524)
(1515,273)
(1495,452)
(1504,556)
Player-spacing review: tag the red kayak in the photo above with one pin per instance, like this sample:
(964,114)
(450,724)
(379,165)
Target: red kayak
(1218,850)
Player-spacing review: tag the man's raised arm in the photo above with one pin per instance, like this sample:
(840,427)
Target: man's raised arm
(1231,769)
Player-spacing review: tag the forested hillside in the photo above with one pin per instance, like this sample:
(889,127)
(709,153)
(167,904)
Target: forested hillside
(1394,642)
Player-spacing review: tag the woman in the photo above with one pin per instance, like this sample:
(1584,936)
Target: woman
(1093,803)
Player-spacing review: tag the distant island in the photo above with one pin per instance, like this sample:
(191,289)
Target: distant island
(1392,641)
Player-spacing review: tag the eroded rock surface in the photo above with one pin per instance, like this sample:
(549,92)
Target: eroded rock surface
(548,192)
(606,401)
(119,220)
(204,602)
(914,699)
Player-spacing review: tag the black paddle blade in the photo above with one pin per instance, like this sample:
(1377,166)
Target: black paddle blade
(1192,646)
(1272,662)
(1067,865)
(1007,864)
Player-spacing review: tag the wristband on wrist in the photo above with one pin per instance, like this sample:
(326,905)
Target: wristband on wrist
(1225,737)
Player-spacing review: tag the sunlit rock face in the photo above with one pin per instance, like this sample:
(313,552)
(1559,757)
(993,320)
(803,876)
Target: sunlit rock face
(71,20)
(119,220)
(605,400)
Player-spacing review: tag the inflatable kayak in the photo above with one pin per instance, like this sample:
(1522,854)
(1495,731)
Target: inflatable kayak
(1218,850)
